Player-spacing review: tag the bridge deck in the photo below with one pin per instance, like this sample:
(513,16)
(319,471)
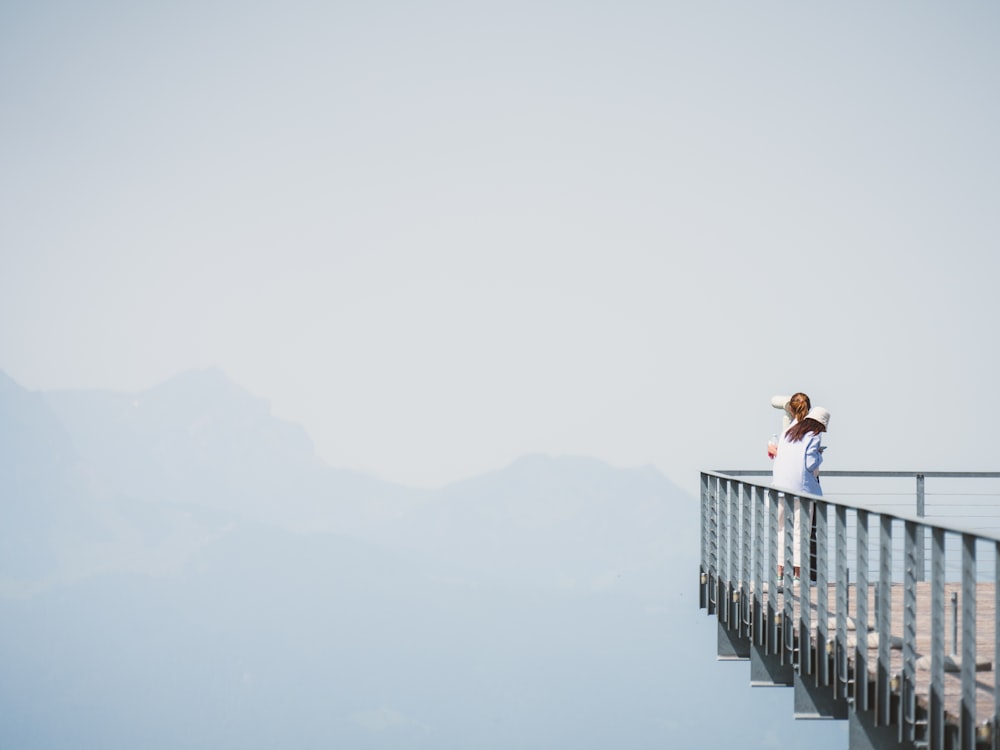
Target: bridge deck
(985,639)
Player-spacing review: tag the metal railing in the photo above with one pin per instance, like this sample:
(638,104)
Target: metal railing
(862,633)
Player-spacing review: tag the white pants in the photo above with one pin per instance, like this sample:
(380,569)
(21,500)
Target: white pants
(796,533)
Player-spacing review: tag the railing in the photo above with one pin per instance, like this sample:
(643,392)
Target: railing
(873,649)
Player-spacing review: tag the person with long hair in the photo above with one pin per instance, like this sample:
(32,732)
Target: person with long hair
(798,407)
(796,466)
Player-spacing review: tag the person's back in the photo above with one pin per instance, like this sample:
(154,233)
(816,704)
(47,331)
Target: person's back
(790,472)
(784,471)
(796,466)
(796,471)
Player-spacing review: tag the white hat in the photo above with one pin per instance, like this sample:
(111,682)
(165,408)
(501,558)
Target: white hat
(820,414)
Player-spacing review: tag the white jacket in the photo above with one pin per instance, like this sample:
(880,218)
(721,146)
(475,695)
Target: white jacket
(796,464)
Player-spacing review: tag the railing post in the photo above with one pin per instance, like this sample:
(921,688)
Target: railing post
(921,540)
(705,515)
(955,640)
(734,553)
(968,717)
(822,595)
(883,610)
(773,647)
(787,622)
(935,714)
(805,590)
(713,546)
(840,644)
(996,646)
(861,617)
(908,697)
(758,566)
(746,527)
(722,595)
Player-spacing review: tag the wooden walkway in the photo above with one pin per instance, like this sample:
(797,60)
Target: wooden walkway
(985,640)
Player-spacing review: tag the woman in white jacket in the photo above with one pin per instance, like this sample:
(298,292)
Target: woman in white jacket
(796,409)
(796,465)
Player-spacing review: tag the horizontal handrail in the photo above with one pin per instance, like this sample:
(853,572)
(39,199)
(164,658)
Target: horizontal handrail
(868,474)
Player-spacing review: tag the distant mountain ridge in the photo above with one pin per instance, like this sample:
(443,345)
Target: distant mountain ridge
(147,475)
(196,423)
(33,442)
(179,569)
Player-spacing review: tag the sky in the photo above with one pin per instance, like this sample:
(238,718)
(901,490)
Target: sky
(441,235)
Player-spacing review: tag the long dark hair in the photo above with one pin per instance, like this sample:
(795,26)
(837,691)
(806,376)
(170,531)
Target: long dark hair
(798,406)
(800,429)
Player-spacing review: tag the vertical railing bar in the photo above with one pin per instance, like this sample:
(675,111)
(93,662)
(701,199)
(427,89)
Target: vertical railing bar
(935,718)
(907,701)
(968,713)
(805,590)
(921,531)
(921,509)
(883,612)
(787,622)
(705,511)
(995,724)
(734,553)
(758,566)
(714,532)
(713,549)
(734,533)
(840,568)
(822,595)
(861,620)
(746,572)
(724,580)
(724,583)
(772,572)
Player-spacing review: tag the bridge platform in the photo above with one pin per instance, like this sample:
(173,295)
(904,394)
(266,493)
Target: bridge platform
(910,663)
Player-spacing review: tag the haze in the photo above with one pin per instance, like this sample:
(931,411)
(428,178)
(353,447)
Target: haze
(310,312)
(443,235)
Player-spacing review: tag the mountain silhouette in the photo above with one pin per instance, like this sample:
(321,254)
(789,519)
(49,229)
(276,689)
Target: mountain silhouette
(571,521)
(199,439)
(38,483)
(179,569)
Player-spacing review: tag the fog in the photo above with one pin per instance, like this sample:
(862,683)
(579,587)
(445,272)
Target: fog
(186,572)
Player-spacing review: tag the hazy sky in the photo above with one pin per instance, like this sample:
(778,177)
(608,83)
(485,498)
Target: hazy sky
(443,234)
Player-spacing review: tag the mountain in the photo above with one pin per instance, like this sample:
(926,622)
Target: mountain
(179,569)
(180,461)
(34,446)
(98,481)
(37,481)
(200,439)
(570,521)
